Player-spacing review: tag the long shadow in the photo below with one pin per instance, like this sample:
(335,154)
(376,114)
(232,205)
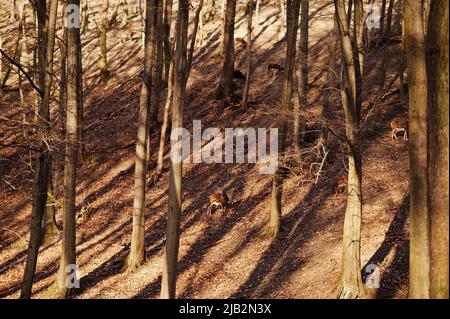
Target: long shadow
(298,223)
(214,232)
(396,275)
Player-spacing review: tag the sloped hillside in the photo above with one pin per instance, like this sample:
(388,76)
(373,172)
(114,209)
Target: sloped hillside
(226,256)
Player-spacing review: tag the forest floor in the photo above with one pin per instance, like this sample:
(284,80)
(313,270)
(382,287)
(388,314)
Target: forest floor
(226,256)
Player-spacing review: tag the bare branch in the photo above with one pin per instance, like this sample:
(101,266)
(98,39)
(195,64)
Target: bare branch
(23,71)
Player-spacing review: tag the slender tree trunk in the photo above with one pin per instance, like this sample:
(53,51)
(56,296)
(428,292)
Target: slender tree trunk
(155,98)
(63,82)
(201,24)
(293,7)
(84,16)
(382,76)
(359,29)
(115,10)
(225,88)
(437,63)
(350,283)
(250,7)
(403,57)
(303,78)
(386,36)
(67,265)
(103,62)
(12,12)
(164,127)
(193,38)
(80,113)
(166,37)
(137,252)
(42,166)
(170,258)
(22,58)
(258,4)
(381,29)
(349,12)
(49,229)
(283,17)
(417,81)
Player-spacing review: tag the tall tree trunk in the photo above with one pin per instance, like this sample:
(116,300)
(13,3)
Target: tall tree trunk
(164,127)
(80,113)
(155,97)
(42,167)
(359,29)
(63,82)
(250,8)
(284,18)
(12,12)
(379,92)
(115,10)
(225,88)
(49,228)
(381,29)
(350,283)
(67,265)
(170,258)
(417,81)
(84,16)
(303,78)
(103,62)
(137,252)
(258,4)
(166,37)
(193,39)
(437,63)
(293,7)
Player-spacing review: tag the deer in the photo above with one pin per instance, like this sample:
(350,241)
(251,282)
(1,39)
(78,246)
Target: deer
(340,186)
(238,75)
(241,41)
(218,199)
(399,124)
(274,70)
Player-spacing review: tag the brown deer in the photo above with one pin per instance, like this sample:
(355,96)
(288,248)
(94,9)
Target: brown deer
(241,41)
(399,124)
(238,75)
(274,70)
(218,199)
(340,186)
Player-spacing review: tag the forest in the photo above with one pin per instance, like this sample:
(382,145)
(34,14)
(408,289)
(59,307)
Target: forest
(234,149)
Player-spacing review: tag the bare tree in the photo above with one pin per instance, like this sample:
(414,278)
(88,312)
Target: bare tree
(293,7)
(419,265)
(167,22)
(170,258)
(103,61)
(193,38)
(155,97)
(42,166)
(136,256)
(303,77)
(164,128)
(437,64)
(350,284)
(61,288)
(250,9)
(225,88)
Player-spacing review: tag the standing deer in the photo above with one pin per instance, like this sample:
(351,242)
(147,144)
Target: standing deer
(399,124)
(340,186)
(218,199)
